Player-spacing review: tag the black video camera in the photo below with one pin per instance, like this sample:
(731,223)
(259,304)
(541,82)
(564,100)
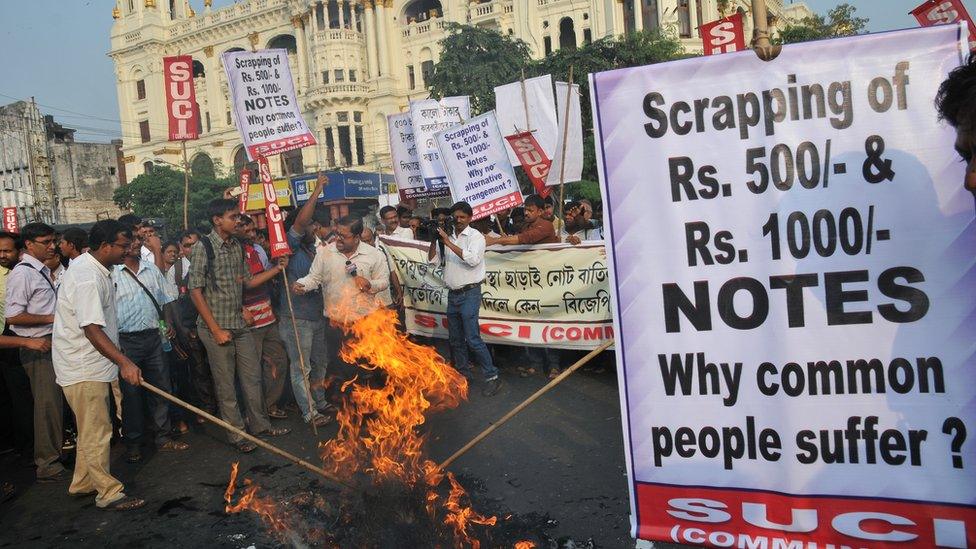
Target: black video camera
(428,229)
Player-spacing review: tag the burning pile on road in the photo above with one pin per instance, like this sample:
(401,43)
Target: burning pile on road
(403,499)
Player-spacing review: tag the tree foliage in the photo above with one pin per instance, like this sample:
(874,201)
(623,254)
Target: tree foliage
(839,21)
(160,194)
(475,60)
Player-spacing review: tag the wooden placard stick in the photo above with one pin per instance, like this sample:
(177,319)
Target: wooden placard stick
(562,163)
(269,447)
(525,102)
(535,396)
(306,372)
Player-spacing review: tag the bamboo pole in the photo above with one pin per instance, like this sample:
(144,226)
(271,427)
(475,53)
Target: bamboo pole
(298,345)
(186,189)
(760,32)
(525,102)
(267,446)
(562,163)
(535,396)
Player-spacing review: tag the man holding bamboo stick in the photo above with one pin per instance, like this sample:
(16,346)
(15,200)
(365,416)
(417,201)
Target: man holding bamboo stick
(87,358)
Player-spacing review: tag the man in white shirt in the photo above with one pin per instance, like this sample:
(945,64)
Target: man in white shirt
(464,270)
(86,359)
(391,224)
(351,274)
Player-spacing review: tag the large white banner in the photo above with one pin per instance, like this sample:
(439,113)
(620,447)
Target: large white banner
(477,166)
(266,111)
(572,151)
(534,110)
(553,295)
(428,117)
(794,268)
(403,153)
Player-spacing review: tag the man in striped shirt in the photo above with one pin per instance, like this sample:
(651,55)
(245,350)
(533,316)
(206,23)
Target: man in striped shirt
(140,295)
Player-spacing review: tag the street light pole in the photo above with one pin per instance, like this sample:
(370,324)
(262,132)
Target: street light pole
(186,189)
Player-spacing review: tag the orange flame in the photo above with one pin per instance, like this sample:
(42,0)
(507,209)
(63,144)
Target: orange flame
(264,507)
(525,544)
(378,426)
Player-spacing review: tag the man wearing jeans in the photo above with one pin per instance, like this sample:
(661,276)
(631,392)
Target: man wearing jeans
(139,295)
(218,276)
(308,355)
(464,271)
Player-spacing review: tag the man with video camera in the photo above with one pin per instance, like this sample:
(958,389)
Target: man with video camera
(461,252)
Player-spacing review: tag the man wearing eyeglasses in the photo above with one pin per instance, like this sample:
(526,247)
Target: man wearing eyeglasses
(31,301)
(351,273)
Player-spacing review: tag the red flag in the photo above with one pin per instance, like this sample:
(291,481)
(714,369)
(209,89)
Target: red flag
(10,220)
(941,12)
(181,102)
(723,36)
(276,228)
(534,160)
(245,179)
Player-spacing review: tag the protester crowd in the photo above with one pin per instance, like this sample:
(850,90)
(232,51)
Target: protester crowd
(91,318)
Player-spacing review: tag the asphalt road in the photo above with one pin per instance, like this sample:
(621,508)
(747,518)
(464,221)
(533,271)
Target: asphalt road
(560,462)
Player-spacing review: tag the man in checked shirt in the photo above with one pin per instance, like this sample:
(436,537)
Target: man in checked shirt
(218,276)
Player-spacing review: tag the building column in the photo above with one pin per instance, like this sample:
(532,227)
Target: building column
(342,13)
(336,149)
(301,53)
(369,28)
(618,17)
(382,28)
(354,15)
(639,15)
(353,149)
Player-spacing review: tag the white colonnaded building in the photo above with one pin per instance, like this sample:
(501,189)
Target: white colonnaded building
(353,61)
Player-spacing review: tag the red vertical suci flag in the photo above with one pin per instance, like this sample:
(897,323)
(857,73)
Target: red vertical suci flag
(724,35)
(276,227)
(10,220)
(534,160)
(245,179)
(181,102)
(942,12)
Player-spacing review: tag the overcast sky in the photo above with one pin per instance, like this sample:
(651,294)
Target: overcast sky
(55,51)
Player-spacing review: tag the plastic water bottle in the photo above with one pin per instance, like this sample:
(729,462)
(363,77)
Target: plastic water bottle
(167,346)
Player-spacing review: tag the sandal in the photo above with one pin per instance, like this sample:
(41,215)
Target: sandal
(181,428)
(554,373)
(173,446)
(124,503)
(527,372)
(321,421)
(328,408)
(275,432)
(245,447)
(277,413)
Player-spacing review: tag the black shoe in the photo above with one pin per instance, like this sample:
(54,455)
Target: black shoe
(133,454)
(492,387)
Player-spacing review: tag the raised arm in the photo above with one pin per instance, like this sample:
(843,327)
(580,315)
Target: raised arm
(305,213)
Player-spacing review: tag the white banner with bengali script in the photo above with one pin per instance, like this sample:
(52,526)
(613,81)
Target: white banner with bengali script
(555,295)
